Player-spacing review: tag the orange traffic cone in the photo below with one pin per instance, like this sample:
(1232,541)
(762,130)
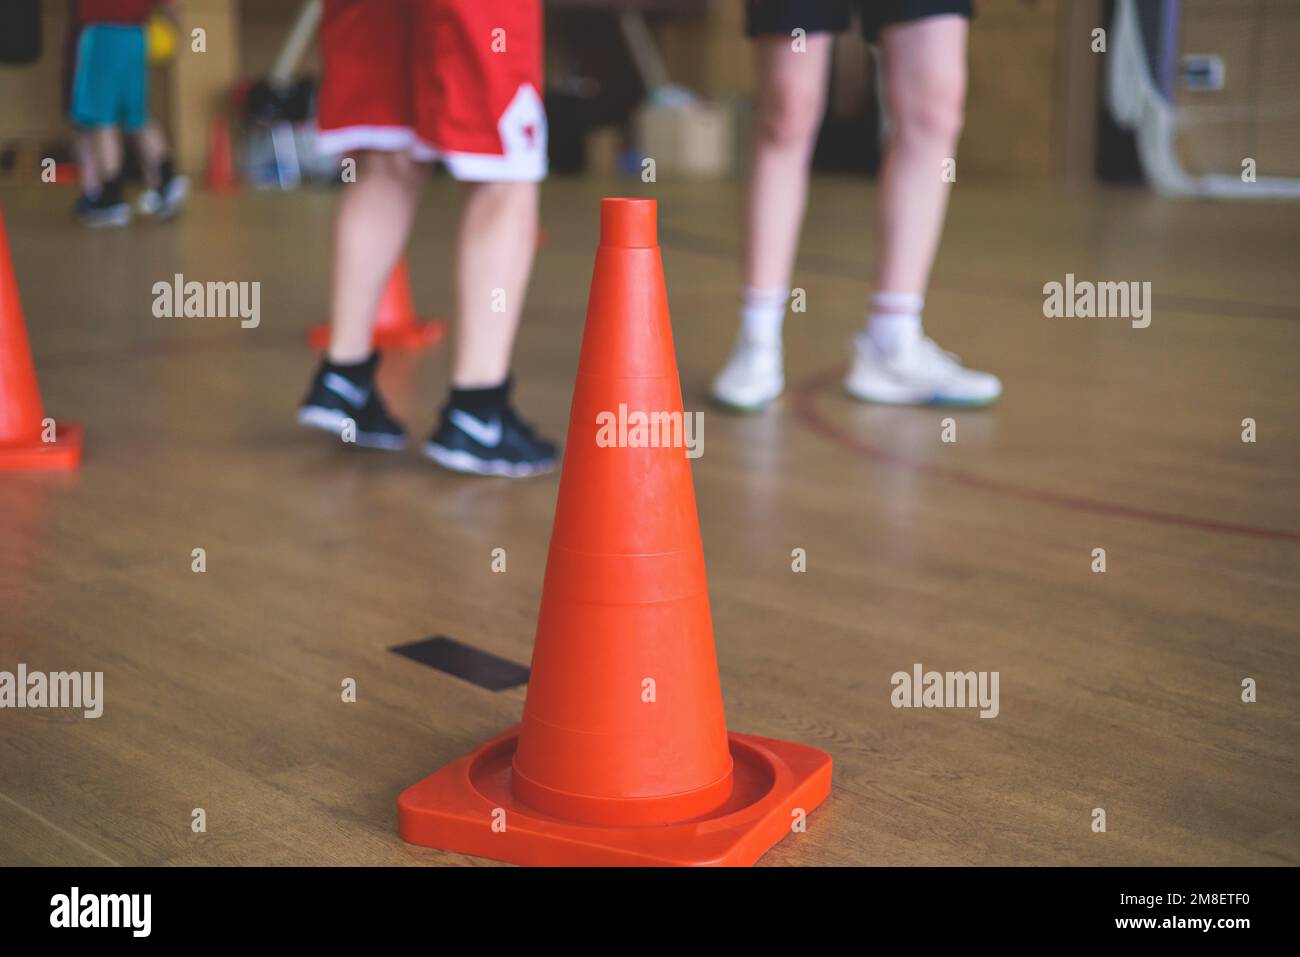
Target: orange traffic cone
(221,159)
(28,440)
(396,324)
(623,755)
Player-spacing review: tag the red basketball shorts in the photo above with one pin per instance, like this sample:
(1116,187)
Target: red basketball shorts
(452,80)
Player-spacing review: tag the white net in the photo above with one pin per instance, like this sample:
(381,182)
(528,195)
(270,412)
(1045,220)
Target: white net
(1235,131)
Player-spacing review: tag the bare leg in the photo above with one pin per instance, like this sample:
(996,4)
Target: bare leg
(894,362)
(792,97)
(498,231)
(107,143)
(370,232)
(87,163)
(153,152)
(925,64)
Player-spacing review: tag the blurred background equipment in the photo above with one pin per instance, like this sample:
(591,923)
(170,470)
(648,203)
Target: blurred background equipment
(160,37)
(1211,92)
(20,32)
(279,112)
(675,127)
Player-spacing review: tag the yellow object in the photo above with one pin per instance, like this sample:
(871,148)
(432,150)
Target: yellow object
(161,39)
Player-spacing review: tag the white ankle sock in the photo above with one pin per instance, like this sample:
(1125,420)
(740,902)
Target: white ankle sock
(894,320)
(762,313)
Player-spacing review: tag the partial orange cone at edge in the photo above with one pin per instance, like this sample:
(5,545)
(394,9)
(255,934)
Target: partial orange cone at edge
(22,416)
(598,772)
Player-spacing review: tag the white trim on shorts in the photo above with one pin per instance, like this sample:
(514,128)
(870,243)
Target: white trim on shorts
(521,162)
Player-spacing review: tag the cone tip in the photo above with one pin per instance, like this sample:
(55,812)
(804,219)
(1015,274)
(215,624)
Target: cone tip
(629,223)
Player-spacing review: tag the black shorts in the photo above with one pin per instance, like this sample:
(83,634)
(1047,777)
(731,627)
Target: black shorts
(773,17)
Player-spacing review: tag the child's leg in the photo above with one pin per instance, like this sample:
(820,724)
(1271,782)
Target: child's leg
(791,97)
(366,114)
(370,231)
(82,141)
(154,154)
(479,430)
(482,111)
(925,68)
(925,79)
(373,223)
(498,229)
(92,100)
(87,164)
(166,190)
(106,145)
(102,201)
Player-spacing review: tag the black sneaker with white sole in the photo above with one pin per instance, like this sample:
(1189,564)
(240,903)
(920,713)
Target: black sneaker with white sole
(102,211)
(338,398)
(502,444)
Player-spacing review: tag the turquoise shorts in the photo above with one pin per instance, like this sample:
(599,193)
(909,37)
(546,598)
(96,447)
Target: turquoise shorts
(111,83)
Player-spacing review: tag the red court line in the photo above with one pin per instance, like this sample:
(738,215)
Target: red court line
(805,404)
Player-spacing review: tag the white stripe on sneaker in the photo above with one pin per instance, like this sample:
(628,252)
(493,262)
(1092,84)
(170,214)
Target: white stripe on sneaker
(484,433)
(345,388)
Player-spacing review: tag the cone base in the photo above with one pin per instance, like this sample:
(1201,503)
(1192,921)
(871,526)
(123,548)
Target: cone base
(61,455)
(454,809)
(419,334)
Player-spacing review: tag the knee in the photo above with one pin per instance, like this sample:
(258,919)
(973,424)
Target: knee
(791,114)
(930,105)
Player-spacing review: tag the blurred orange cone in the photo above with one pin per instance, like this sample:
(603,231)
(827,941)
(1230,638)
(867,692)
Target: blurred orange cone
(396,324)
(28,440)
(221,159)
(623,755)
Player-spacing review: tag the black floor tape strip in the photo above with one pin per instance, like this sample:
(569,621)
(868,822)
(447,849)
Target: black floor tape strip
(479,667)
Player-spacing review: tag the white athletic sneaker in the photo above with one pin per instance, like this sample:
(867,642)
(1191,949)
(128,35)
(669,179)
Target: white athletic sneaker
(752,377)
(920,373)
(167,202)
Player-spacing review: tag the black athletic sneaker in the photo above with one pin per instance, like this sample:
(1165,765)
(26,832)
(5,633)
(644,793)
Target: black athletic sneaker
(501,444)
(337,398)
(103,210)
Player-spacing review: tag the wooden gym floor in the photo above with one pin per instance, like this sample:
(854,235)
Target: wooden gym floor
(1119,691)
